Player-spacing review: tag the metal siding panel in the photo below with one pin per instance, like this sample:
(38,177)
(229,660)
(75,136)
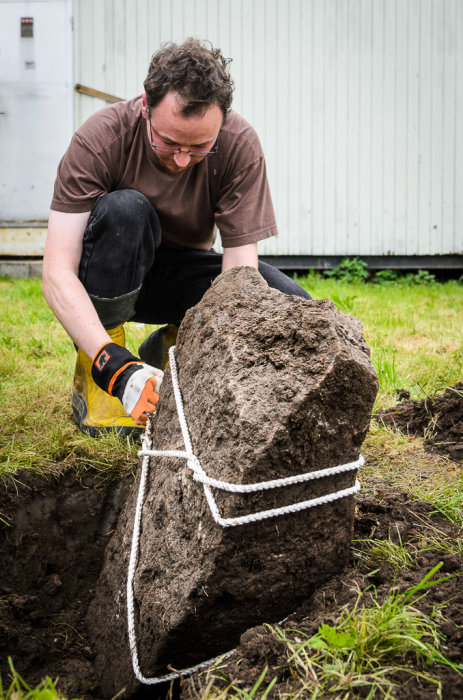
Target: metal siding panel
(433,229)
(353,59)
(398,231)
(339,126)
(130,31)
(449,129)
(303,234)
(293,132)
(212,19)
(376,221)
(321,236)
(458,159)
(268,122)
(425,109)
(413,124)
(282,127)
(388,154)
(329,123)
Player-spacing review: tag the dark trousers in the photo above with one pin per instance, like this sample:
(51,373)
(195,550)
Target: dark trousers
(130,275)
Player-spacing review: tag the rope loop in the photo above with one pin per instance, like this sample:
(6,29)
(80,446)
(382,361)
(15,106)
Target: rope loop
(207,482)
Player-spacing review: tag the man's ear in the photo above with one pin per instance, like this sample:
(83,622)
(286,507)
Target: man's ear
(144,108)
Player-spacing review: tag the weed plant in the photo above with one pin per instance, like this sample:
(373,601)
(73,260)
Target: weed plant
(393,552)
(213,690)
(18,689)
(370,645)
(402,462)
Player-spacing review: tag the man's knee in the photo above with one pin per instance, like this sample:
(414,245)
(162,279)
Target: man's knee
(278,280)
(124,211)
(119,245)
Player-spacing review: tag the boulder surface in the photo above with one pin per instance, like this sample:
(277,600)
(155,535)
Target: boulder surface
(272,385)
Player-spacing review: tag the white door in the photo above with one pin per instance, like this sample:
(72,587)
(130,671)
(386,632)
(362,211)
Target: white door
(35,104)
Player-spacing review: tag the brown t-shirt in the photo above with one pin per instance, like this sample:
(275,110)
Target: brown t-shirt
(111,151)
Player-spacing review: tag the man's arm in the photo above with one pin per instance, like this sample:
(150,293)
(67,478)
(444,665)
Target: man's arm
(243,255)
(121,374)
(61,286)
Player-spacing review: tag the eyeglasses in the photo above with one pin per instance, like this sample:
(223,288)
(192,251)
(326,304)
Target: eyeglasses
(189,152)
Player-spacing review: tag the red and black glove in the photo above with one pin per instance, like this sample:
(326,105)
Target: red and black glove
(121,374)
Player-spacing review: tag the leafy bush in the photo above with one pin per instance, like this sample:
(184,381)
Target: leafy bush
(386,277)
(350,270)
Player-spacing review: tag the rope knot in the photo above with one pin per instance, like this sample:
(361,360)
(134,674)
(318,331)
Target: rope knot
(194,464)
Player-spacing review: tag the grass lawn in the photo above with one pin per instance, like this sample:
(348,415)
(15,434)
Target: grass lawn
(414,332)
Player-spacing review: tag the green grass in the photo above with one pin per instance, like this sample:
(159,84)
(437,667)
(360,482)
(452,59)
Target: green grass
(413,330)
(18,689)
(370,644)
(395,553)
(403,463)
(36,371)
(212,690)
(363,654)
(403,555)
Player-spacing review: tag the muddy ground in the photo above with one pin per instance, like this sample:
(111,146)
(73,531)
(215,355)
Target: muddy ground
(439,419)
(54,532)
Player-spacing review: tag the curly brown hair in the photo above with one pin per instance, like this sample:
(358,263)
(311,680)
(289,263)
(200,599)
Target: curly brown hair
(196,71)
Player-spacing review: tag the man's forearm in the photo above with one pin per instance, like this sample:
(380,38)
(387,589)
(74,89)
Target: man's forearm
(62,288)
(73,308)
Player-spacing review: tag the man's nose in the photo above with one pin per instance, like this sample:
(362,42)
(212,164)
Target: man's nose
(182,159)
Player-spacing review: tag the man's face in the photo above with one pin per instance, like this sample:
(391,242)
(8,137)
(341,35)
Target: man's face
(170,129)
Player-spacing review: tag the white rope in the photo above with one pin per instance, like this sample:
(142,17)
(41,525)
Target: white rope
(200,475)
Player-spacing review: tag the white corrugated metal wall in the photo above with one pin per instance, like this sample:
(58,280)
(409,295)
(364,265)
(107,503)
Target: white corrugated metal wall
(358,104)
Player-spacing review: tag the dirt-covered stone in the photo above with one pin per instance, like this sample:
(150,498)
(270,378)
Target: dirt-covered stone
(439,419)
(273,385)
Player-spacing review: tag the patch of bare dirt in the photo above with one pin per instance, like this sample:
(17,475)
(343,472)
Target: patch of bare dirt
(438,419)
(53,535)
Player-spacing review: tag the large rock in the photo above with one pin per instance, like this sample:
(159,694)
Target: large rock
(273,385)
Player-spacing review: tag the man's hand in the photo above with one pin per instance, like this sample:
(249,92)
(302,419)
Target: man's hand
(121,374)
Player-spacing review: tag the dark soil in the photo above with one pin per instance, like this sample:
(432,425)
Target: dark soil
(438,419)
(53,537)
(378,517)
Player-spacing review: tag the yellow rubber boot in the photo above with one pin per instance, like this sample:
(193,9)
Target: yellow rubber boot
(155,348)
(94,410)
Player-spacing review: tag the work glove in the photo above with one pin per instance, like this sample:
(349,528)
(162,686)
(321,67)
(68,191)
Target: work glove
(121,374)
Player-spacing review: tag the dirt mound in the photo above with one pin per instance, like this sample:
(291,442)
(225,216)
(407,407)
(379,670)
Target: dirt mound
(439,420)
(53,534)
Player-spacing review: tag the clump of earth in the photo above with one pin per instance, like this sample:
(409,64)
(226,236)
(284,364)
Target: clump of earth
(54,533)
(439,419)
